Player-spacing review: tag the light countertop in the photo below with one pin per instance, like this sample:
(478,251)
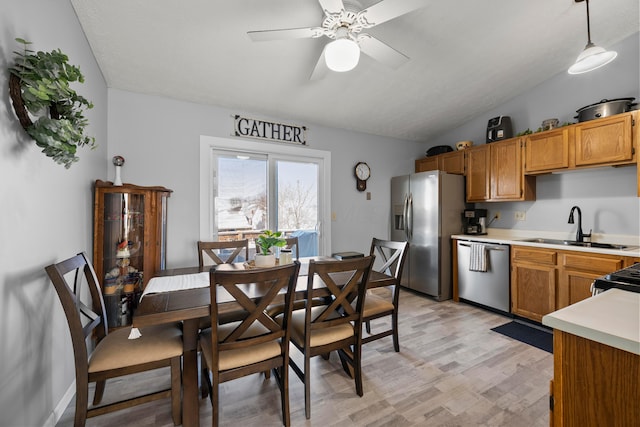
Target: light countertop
(515,237)
(611,318)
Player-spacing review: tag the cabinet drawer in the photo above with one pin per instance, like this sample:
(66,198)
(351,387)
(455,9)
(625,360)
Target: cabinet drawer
(537,256)
(594,263)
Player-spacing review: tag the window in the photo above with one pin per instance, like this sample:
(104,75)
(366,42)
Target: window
(248,186)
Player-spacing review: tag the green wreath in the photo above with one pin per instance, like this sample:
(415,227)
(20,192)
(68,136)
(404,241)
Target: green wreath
(39,85)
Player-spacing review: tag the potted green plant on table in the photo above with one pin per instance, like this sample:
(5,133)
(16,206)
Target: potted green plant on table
(265,241)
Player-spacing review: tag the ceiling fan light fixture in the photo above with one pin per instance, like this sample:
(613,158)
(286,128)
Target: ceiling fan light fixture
(592,57)
(342,55)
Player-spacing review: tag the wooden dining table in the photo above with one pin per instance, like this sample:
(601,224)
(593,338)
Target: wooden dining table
(190,305)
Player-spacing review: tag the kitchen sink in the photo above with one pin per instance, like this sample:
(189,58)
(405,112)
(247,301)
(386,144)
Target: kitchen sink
(576,243)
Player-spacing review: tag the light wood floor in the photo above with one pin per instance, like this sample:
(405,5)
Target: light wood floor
(452,370)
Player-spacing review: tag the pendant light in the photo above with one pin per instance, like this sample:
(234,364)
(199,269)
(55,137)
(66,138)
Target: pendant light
(342,54)
(592,56)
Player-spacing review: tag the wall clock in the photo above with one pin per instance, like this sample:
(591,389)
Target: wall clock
(362,173)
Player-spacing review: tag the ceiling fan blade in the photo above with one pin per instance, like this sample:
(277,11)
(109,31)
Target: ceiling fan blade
(389,9)
(290,33)
(331,6)
(381,52)
(320,70)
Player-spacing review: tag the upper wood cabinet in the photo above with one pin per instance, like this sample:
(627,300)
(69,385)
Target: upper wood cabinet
(478,173)
(494,173)
(610,141)
(605,141)
(507,178)
(547,151)
(427,164)
(452,162)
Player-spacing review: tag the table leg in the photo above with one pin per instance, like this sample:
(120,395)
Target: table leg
(190,396)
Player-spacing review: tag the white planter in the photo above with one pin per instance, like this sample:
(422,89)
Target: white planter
(265,260)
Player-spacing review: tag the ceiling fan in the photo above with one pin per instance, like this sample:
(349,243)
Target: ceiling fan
(344,21)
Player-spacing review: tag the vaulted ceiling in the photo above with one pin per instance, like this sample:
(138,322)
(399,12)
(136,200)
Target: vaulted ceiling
(466,57)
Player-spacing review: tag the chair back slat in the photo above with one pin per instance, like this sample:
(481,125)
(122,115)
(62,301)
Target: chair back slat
(345,280)
(214,249)
(76,312)
(392,254)
(267,286)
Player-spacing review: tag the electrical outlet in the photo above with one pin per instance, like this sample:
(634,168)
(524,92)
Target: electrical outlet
(520,215)
(496,215)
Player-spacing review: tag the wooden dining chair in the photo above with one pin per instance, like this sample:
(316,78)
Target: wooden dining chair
(114,354)
(321,329)
(256,344)
(393,255)
(222,252)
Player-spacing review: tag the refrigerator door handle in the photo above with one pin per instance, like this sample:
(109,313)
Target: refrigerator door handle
(405,211)
(410,218)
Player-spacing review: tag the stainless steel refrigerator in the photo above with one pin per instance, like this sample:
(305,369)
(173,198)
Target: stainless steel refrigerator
(426,209)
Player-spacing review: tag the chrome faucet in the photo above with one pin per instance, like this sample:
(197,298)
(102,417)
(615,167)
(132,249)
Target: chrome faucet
(579,234)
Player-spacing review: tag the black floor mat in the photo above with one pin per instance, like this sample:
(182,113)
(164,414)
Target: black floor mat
(527,334)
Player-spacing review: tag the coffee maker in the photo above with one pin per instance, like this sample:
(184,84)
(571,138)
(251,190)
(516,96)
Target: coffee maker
(474,221)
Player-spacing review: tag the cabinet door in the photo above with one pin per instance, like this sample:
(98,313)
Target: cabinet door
(506,170)
(452,162)
(427,164)
(533,290)
(604,141)
(533,282)
(547,150)
(578,271)
(478,173)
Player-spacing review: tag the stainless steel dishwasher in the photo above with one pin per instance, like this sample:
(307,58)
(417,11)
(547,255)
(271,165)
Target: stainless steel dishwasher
(489,288)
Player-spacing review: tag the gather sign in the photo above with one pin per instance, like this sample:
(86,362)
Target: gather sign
(253,128)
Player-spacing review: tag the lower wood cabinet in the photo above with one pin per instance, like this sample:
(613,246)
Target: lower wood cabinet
(545,280)
(578,271)
(593,384)
(533,282)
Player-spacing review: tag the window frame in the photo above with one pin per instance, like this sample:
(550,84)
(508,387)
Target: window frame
(210,144)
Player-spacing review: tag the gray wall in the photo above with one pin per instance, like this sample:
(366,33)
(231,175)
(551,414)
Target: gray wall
(46,211)
(607,196)
(160,140)
(46,215)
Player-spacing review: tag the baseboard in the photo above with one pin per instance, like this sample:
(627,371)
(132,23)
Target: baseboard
(62,405)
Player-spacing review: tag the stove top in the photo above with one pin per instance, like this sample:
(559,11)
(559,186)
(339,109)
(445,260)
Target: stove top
(626,278)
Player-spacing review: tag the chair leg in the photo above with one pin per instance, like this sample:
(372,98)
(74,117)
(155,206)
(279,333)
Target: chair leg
(176,382)
(82,403)
(267,374)
(99,392)
(284,394)
(394,325)
(367,325)
(215,407)
(307,386)
(358,371)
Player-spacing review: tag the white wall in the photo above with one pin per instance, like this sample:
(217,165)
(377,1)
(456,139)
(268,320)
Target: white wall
(607,196)
(160,138)
(46,215)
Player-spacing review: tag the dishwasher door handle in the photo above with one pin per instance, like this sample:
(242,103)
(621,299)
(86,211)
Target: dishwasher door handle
(488,247)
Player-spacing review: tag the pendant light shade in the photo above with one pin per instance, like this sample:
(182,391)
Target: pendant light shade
(592,56)
(342,54)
